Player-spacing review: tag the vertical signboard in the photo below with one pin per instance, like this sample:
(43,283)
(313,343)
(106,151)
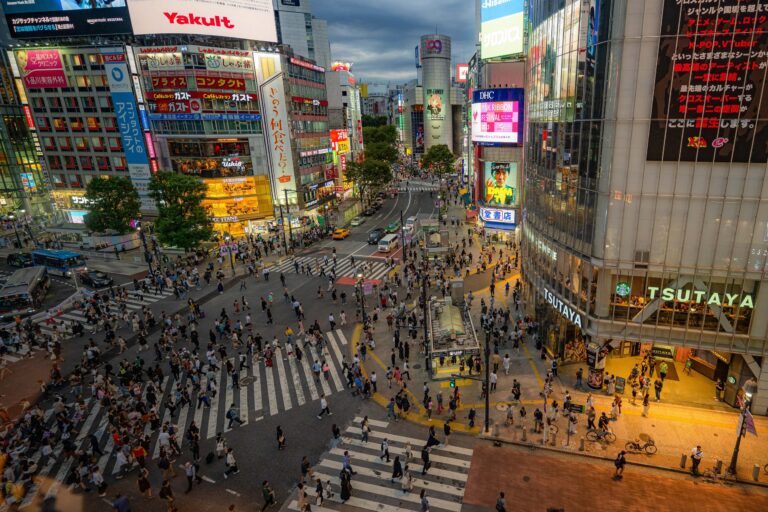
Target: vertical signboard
(124,104)
(709,102)
(497,116)
(278,135)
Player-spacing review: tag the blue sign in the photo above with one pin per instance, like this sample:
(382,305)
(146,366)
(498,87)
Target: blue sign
(495,9)
(205,117)
(498,95)
(498,218)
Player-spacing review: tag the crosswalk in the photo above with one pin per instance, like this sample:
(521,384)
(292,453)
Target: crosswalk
(263,391)
(344,267)
(418,187)
(372,486)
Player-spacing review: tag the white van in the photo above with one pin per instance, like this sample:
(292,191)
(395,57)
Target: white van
(410,223)
(389,243)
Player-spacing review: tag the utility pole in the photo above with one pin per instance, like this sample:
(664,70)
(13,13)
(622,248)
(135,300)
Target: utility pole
(290,229)
(402,237)
(487,380)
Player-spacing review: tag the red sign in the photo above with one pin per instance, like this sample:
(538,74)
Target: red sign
(331,173)
(161,49)
(224,84)
(338,135)
(28,115)
(360,131)
(308,101)
(307,65)
(169,82)
(343,162)
(172,107)
(461,73)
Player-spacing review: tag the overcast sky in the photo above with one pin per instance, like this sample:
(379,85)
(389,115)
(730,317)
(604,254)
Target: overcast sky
(378,37)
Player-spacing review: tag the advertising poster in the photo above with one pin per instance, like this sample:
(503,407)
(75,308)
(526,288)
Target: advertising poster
(500,180)
(708,100)
(501,28)
(277,133)
(436,104)
(41,69)
(240,19)
(124,103)
(44,18)
(497,116)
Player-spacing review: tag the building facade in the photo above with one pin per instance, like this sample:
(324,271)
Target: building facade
(436,89)
(645,200)
(304,33)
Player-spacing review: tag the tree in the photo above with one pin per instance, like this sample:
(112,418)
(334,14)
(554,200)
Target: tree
(381,151)
(386,134)
(182,220)
(114,202)
(374,121)
(370,176)
(439,159)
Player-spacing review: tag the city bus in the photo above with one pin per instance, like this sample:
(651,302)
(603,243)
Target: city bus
(59,262)
(24,292)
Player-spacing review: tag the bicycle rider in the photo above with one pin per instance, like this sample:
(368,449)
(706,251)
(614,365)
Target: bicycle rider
(602,423)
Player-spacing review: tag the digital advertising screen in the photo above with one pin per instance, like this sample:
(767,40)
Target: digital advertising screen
(41,69)
(435,104)
(241,19)
(29,19)
(497,116)
(500,184)
(710,72)
(501,28)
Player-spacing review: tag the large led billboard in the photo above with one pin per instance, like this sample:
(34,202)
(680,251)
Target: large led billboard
(500,184)
(710,73)
(501,28)
(46,18)
(241,19)
(497,116)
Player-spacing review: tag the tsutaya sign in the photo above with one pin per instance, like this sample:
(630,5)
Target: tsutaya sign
(564,309)
(701,297)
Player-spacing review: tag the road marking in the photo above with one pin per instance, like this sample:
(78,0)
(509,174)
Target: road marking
(256,374)
(213,411)
(342,338)
(271,390)
(230,491)
(309,376)
(296,381)
(375,423)
(283,377)
(458,450)
(156,451)
(209,480)
(323,381)
(376,460)
(339,357)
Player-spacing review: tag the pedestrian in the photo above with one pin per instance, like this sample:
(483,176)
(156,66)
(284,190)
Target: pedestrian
(121,503)
(620,462)
(719,388)
(407,481)
(365,429)
(384,450)
(397,469)
(501,503)
(424,501)
(425,460)
(657,385)
(447,432)
(306,469)
(268,494)
(346,486)
(646,403)
(324,407)
(233,416)
(280,438)
(696,455)
(579,379)
(231,464)
(145,487)
(166,493)
(190,470)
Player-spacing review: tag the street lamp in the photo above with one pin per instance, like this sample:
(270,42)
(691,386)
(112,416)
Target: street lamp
(282,219)
(361,297)
(402,237)
(487,380)
(750,388)
(147,254)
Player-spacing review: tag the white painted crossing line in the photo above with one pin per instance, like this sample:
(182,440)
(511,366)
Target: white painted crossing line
(367,457)
(372,422)
(344,267)
(339,357)
(256,376)
(342,338)
(323,381)
(271,395)
(278,358)
(309,376)
(296,381)
(458,450)
(216,404)
(163,414)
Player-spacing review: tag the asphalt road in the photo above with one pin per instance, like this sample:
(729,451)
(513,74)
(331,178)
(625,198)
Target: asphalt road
(254,443)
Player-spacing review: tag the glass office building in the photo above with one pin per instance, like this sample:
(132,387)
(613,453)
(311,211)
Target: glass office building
(646,198)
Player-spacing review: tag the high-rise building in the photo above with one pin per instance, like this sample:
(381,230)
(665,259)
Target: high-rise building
(436,79)
(304,33)
(646,204)
(345,121)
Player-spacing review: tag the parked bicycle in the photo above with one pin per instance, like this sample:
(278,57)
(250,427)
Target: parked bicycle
(601,435)
(637,446)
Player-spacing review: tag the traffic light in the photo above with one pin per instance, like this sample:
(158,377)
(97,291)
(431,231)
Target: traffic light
(453,383)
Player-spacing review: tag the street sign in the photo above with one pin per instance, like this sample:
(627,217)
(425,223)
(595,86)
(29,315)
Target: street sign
(368,288)
(577,408)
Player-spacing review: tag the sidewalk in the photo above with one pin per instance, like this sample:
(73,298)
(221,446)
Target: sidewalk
(676,427)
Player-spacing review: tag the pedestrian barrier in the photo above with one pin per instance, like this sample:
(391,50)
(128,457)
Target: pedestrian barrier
(756,472)
(683,460)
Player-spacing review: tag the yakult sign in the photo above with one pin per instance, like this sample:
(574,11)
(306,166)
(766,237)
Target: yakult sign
(241,19)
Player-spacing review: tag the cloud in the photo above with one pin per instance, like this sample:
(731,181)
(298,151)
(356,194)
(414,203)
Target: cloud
(379,38)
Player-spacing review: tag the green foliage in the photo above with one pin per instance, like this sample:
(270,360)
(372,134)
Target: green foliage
(439,159)
(374,121)
(370,176)
(182,221)
(114,203)
(381,151)
(386,134)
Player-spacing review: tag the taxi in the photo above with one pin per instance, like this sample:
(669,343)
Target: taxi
(340,234)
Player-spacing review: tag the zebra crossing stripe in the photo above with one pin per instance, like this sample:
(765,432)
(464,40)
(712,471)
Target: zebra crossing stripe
(458,450)
(213,411)
(199,408)
(309,376)
(294,505)
(278,357)
(256,375)
(417,482)
(342,338)
(374,423)
(323,381)
(271,395)
(296,381)
(163,391)
(339,357)
(365,457)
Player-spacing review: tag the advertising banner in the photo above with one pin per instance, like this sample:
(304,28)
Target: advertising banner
(497,116)
(205,116)
(436,104)
(45,18)
(124,104)
(277,132)
(41,69)
(710,75)
(500,179)
(240,19)
(461,72)
(501,28)
(169,82)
